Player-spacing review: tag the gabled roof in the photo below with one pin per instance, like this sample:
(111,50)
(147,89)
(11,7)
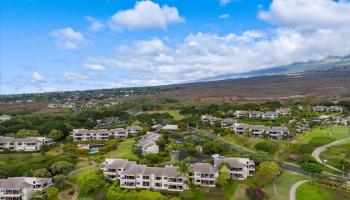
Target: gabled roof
(203,168)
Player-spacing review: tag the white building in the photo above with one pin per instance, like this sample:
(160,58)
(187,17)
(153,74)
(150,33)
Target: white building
(284,111)
(269,116)
(24,144)
(240,113)
(134,129)
(335,109)
(22,188)
(148,143)
(135,176)
(119,133)
(240,168)
(203,174)
(85,134)
(257,130)
(239,128)
(277,133)
(227,123)
(171,128)
(4,118)
(255,114)
(319,108)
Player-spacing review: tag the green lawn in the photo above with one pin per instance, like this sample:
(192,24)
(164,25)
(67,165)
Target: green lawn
(335,155)
(204,193)
(339,132)
(280,190)
(124,150)
(245,141)
(175,113)
(313,191)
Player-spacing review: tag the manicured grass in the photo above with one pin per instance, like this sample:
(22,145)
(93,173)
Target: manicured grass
(313,191)
(335,154)
(204,193)
(339,132)
(245,141)
(124,150)
(280,190)
(175,113)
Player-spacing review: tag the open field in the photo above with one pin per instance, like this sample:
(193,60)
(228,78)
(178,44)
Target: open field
(312,191)
(124,150)
(338,154)
(339,132)
(175,113)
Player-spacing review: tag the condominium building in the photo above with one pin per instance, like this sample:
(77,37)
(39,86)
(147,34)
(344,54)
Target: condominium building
(24,144)
(134,176)
(203,174)
(241,113)
(171,128)
(335,109)
(119,133)
(269,115)
(277,133)
(227,123)
(240,168)
(22,188)
(148,143)
(255,114)
(239,128)
(85,134)
(284,111)
(134,129)
(257,130)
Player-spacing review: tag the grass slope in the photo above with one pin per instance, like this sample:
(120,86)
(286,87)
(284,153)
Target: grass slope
(312,191)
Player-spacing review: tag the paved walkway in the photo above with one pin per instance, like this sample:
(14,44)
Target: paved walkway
(316,153)
(293,189)
(75,186)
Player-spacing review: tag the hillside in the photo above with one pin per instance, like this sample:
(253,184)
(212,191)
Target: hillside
(322,85)
(327,64)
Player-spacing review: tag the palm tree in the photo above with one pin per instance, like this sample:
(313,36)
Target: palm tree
(184,169)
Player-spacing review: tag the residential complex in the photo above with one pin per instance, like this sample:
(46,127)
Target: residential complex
(133,176)
(24,144)
(258,130)
(327,109)
(104,134)
(22,188)
(148,143)
(203,174)
(240,168)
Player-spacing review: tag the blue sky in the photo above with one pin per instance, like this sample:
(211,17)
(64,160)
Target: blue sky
(76,45)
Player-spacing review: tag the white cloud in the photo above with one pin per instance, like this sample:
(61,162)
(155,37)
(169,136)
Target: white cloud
(308,14)
(224,2)
(75,76)
(67,38)
(92,64)
(95,25)
(149,46)
(224,16)
(36,77)
(146,14)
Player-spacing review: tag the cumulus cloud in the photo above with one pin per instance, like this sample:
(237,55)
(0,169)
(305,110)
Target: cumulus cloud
(67,38)
(224,16)
(92,64)
(146,14)
(36,77)
(75,76)
(224,2)
(308,14)
(95,25)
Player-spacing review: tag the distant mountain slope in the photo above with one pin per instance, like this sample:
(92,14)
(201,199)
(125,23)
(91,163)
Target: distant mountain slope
(328,64)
